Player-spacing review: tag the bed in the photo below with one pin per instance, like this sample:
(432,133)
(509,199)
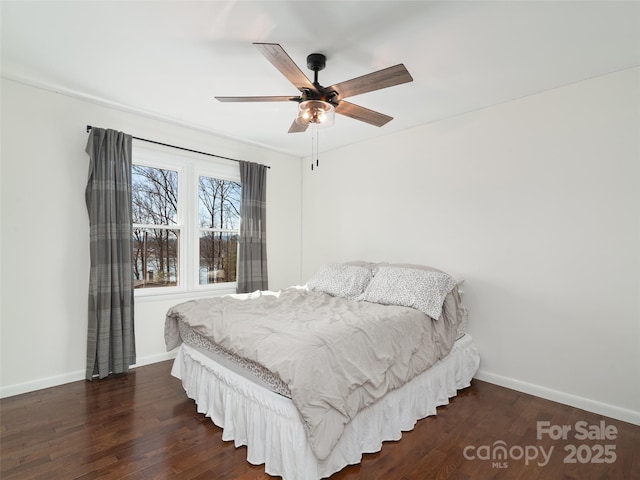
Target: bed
(311,377)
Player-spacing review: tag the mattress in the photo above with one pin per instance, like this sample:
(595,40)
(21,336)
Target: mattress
(251,413)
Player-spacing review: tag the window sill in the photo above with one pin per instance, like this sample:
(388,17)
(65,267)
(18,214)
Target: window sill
(158,295)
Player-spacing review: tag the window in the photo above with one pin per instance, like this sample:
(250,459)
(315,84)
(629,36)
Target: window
(219,219)
(156,234)
(186,217)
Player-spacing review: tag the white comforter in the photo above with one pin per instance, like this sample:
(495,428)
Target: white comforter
(336,355)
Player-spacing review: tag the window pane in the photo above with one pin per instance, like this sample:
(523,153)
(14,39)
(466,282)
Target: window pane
(155,257)
(155,195)
(219,203)
(218,257)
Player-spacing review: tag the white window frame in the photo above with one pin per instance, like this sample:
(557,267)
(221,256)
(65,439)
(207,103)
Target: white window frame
(190,166)
(220,174)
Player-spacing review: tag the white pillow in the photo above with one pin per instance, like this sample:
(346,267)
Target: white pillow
(423,290)
(340,280)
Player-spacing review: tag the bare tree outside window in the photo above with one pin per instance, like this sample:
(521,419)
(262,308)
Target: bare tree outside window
(219,218)
(156,233)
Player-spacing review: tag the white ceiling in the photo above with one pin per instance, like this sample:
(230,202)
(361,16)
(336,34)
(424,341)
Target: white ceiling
(169,59)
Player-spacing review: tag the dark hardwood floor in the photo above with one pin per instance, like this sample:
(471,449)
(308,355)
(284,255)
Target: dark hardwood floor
(142,426)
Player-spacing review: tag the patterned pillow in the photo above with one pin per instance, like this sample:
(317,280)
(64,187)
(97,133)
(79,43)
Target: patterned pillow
(423,290)
(340,280)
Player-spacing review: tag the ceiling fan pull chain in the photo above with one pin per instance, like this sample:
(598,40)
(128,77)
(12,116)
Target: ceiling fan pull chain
(314,145)
(317,147)
(313,134)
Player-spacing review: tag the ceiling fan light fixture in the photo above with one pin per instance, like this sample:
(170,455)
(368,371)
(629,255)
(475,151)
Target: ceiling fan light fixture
(318,112)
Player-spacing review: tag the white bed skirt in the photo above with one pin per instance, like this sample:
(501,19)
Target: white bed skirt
(269,424)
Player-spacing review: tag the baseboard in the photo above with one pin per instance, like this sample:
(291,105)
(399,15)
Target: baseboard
(48,382)
(41,383)
(161,357)
(593,406)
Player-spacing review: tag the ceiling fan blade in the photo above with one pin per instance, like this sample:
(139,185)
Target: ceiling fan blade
(387,77)
(258,99)
(282,61)
(297,128)
(363,114)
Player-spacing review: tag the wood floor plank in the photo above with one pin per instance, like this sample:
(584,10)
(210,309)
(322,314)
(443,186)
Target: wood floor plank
(142,426)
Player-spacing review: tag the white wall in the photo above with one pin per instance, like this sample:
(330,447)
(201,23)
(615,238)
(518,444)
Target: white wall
(536,203)
(45,248)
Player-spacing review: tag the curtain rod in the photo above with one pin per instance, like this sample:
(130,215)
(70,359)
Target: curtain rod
(89,127)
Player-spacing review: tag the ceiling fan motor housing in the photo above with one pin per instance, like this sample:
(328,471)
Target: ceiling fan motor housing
(315,63)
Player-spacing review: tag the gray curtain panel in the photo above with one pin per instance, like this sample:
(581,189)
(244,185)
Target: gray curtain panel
(252,254)
(110,336)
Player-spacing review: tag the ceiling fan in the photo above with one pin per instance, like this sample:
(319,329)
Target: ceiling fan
(317,103)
